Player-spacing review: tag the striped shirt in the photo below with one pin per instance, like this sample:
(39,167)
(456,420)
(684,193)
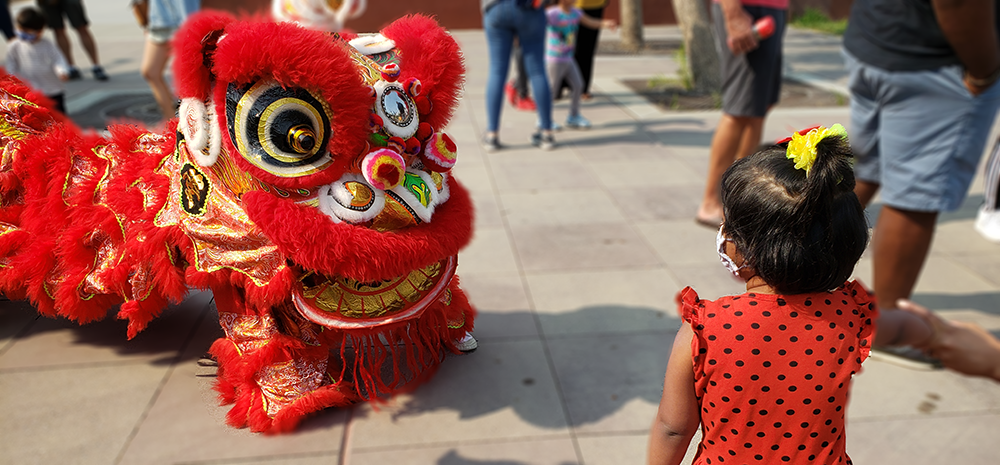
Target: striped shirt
(38,64)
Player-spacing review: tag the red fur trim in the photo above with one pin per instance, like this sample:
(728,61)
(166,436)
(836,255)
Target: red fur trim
(430,54)
(191,76)
(302,58)
(319,244)
(325,397)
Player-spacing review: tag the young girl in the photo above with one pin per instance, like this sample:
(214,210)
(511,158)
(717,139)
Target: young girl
(767,373)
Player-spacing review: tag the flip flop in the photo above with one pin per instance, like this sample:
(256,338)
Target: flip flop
(712,223)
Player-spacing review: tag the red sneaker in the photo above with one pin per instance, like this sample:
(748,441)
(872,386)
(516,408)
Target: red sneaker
(526,104)
(511,93)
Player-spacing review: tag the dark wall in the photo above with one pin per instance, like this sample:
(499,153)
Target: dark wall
(452,14)
(465,14)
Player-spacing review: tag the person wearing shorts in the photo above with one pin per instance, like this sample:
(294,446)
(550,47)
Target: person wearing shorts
(73,11)
(751,85)
(165,17)
(923,100)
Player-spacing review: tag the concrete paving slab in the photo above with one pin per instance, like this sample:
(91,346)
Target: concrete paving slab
(925,440)
(681,242)
(602,302)
(59,342)
(612,384)
(78,415)
(885,390)
(489,251)
(505,391)
(503,305)
(542,452)
(647,204)
(593,246)
(182,424)
(554,207)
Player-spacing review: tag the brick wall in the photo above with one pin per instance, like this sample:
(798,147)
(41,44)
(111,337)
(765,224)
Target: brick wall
(465,14)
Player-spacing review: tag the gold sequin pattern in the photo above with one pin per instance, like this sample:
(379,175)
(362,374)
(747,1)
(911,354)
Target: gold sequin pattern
(395,215)
(247,332)
(353,299)
(224,237)
(81,169)
(106,257)
(283,383)
(6,228)
(12,127)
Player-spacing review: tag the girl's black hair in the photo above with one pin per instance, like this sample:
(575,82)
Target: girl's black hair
(31,18)
(800,233)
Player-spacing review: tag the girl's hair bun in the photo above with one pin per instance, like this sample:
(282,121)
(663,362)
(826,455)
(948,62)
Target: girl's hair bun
(792,212)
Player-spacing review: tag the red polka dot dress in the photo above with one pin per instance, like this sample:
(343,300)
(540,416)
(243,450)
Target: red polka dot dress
(773,372)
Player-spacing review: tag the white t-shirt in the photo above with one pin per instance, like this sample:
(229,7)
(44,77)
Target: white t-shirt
(39,64)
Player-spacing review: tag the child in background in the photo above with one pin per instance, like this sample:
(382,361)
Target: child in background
(37,61)
(564,19)
(768,373)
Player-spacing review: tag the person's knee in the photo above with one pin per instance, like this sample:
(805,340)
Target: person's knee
(151,75)
(743,120)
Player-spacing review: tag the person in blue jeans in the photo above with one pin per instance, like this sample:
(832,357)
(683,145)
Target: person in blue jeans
(525,19)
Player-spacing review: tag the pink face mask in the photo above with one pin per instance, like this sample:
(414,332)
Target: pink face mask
(727,261)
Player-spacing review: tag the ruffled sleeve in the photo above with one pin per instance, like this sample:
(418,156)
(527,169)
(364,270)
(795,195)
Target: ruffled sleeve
(867,317)
(689,306)
(691,309)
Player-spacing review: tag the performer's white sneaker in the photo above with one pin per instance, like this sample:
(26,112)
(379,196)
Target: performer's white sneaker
(988,224)
(467,344)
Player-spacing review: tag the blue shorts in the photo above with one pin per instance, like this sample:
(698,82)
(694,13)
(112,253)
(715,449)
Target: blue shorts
(918,134)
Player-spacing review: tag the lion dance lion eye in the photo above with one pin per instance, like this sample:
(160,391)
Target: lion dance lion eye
(283,131)
(302,138)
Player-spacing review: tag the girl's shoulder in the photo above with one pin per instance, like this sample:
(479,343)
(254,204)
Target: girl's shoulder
(692,308)
(852,294)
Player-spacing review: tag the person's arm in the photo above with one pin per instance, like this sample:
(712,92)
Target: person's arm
(739,27)
(677,418)
(963,347)
(898,328)
(970,28)
(595,23)
(60,66)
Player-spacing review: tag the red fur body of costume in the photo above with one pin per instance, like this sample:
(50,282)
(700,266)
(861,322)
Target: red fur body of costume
(306,184)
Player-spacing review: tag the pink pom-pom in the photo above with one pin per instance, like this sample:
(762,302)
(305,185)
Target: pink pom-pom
(383,169)
(440,153)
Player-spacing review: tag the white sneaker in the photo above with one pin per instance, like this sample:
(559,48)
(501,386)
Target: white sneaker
(467,343)
(988,224)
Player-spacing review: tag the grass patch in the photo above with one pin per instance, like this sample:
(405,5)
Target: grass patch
(818,21)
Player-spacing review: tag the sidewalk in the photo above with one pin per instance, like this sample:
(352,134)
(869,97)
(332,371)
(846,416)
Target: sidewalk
(576,259)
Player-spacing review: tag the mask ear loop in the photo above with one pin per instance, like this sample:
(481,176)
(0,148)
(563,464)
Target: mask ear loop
(728,261)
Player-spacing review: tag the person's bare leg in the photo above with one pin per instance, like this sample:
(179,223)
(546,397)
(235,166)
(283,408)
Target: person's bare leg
(726,143)
(865,190)
(154,62)
(62,41)
(751,137)
(900,244)
(87,41)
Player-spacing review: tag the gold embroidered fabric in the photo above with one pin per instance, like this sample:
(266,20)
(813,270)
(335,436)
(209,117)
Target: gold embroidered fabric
(247,332)
(223,235)
(283,383)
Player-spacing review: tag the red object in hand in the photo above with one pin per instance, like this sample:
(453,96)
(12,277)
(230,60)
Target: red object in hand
(763,28)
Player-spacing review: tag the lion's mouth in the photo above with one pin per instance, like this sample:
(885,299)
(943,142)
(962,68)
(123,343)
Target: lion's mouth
(351,199)
(339,302)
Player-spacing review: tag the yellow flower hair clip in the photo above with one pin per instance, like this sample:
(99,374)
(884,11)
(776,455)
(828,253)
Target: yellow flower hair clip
(802,144)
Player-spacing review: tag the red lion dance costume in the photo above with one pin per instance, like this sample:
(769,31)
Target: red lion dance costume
(305,184)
